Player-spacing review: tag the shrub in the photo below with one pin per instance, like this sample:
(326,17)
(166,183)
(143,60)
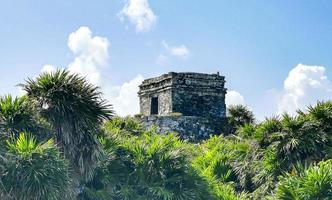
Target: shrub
(34,172)
(237,116)
(124,126)
(149,166)
(312,183)
(218,164)
(18,114)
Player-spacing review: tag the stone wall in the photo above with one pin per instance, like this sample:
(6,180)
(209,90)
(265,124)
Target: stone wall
(164,102)
(191,102)
(156,87)
(197,99)
(195,94)
(192,94)
(188,127)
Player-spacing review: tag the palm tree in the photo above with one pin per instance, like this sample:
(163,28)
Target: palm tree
(265,131)
(299,140)
(239,115)
(19,115)
(75,110)
(321,115)
(32,171)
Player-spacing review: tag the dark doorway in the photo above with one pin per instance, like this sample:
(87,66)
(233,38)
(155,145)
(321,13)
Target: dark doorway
(154,106)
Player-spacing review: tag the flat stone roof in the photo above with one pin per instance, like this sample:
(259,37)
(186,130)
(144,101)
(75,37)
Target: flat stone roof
(181,74)
(182,78)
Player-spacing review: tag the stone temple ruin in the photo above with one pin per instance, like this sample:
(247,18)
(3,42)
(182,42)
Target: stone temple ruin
(191,104)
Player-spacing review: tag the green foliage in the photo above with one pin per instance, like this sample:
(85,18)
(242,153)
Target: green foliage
(75,110)
(321,115)
(19,115)
(34,172)
(148,166)
(246,131)
(262,153)
(238,115)
(214,163)
(295,140)
(121,160)
(124,126)
(264,131)
(312,183)
(240,154)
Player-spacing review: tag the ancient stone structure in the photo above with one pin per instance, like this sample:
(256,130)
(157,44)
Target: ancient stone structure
(192,104)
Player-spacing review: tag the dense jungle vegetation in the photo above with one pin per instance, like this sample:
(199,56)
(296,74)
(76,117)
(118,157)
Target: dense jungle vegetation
(62,141)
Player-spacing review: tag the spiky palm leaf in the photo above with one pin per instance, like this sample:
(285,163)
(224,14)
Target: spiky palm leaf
(220,164)
(34,171)
(148,166)
(239,115)
(75,109)
(314,182)
(18,114)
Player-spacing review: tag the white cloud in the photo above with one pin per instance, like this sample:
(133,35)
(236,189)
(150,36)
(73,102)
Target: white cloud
(48,68)
(304,85)
(180,51)
(162,60)
(234,98)
(140,14)
(91,54)
(126,100)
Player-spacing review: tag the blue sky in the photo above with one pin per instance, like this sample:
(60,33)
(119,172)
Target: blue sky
(257,45)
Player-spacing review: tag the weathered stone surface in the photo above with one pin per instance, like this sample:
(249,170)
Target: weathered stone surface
(200,98)
(192,94)
(191,128)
